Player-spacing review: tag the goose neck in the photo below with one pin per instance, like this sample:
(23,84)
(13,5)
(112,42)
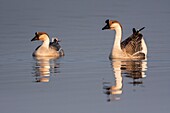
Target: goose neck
(118,37)
(46,43)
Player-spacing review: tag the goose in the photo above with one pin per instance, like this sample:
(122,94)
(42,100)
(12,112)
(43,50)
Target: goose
(134,47)
(47,48)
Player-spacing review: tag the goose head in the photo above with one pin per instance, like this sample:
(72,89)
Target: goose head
(112,25)
(43,36)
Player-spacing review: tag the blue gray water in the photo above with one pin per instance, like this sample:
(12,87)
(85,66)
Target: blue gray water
(76,82)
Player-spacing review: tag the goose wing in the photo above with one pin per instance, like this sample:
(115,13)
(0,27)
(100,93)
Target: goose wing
(55,45)
(133,44)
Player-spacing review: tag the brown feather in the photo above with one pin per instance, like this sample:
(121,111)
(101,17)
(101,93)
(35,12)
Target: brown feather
(132,44)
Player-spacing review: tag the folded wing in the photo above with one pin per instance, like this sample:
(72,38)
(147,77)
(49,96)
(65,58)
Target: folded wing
(133,44)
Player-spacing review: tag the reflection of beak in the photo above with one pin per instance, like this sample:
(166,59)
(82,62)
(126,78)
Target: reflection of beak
(35,38)
(107,25)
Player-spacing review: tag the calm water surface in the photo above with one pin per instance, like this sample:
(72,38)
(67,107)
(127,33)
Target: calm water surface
(79,81)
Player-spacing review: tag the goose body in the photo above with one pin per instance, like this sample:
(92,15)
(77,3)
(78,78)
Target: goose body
(47,48)
(134,47)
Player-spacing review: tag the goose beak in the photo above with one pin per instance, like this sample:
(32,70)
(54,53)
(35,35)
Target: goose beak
(35,38)
(107,26)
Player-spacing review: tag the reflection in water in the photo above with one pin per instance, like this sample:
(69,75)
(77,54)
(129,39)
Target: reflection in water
(44,67)
(134,69)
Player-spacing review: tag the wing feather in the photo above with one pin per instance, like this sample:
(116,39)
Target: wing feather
(132,44)
(55,45)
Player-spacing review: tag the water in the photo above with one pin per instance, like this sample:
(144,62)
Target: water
(77,81)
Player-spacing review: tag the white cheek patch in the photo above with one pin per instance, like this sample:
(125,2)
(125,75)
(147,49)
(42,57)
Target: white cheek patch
(42,37)
(112,26)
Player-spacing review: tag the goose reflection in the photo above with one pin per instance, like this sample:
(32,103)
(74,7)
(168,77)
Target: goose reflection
(134,69)
(44,67)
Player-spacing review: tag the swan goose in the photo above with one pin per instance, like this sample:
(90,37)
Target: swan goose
(134,47)
(47,48)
